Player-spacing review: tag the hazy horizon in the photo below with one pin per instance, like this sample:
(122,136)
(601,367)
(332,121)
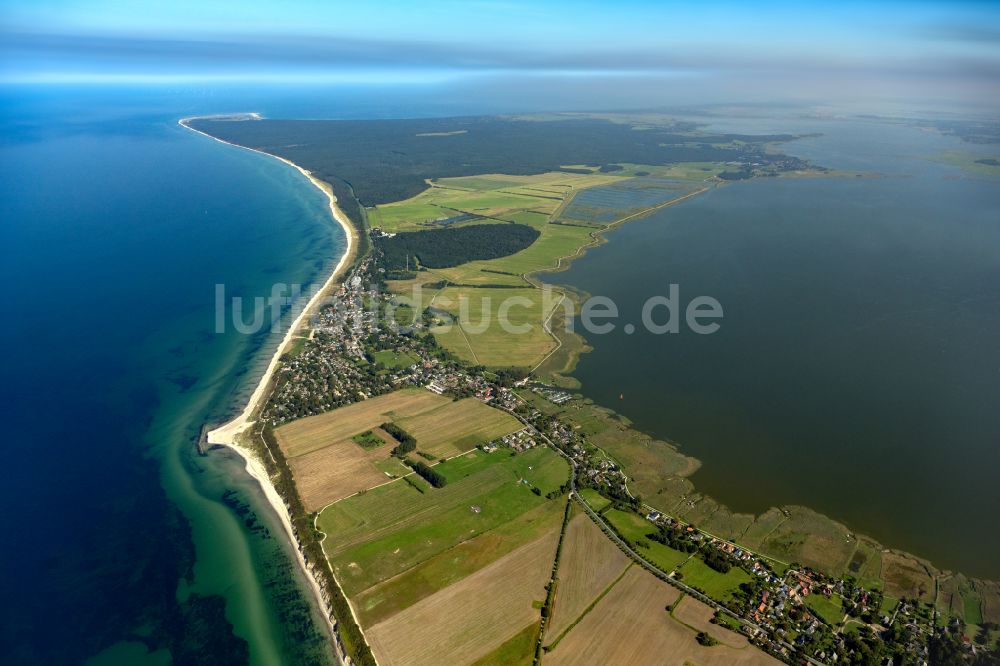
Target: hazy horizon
(863,56)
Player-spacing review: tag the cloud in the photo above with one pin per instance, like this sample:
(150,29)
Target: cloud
(967,33)
(24,51)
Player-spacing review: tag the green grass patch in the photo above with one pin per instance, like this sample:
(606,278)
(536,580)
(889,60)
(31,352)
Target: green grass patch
(368,440)
(393,466)
(973,609)
(596,501)
(482,339)
(634,528)
(830,610)
(392,528)
(727,621)
(516,651)
(392,359)
(452,565)
(717,585)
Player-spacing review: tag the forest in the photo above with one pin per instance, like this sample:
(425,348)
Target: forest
(380,161)
(443,248)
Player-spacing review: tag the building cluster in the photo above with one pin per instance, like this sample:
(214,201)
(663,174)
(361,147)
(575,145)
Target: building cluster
(337,365)
(522,440)
(553,395)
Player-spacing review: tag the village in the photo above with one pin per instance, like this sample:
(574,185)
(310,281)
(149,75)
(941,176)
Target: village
(354,352)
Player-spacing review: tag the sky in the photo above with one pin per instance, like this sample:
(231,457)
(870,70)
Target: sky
(719,51)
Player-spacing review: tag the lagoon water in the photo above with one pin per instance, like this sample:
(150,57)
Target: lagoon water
(857,368)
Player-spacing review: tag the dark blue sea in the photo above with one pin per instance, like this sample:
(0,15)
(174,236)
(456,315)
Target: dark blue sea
(120,544)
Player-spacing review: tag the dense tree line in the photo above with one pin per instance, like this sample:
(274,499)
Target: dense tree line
(717,559)
(406,441)
(430,475)
(380,161)
(442,248)
(674,539)
(351,637)
(509,375)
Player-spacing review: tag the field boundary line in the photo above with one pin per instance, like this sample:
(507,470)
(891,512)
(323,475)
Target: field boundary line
(586,611)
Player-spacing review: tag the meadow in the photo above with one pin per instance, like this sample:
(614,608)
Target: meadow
(483,320)
(634,528)
(544,202)
(719,586)
(453,573)
(371,525)
(343,452)
(394,360)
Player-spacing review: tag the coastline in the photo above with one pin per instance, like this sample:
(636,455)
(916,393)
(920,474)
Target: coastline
(229,434)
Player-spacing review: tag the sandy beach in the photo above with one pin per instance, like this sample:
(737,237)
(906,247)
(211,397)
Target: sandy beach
(229,433)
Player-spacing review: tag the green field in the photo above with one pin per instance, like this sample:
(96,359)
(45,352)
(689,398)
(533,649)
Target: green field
(555,241)
(392,359)
(594,498)
(719,586)
(634,528)
(829,610)
(368,440)
(388,530)
(518,651)
(453,564)
(474,297)
(467,201)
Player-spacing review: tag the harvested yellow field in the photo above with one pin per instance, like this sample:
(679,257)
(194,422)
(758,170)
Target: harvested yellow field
(472,618)
(631,626)
(496,327)
(339,470)
(590,562)
(456,427)
(312,433)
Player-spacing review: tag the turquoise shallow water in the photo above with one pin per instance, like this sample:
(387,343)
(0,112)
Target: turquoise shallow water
(120,543)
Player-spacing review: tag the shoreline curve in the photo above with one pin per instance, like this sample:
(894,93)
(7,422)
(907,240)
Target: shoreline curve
(228,433)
